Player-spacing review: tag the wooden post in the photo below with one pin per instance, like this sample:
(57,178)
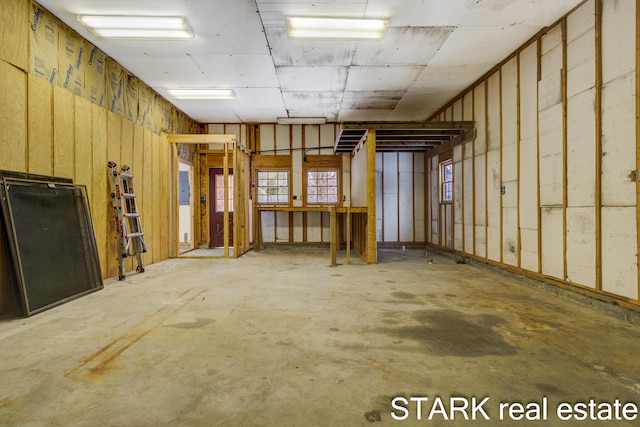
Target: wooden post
(372,245)
(334,234)
(225,184)
(175,175)
(348,235)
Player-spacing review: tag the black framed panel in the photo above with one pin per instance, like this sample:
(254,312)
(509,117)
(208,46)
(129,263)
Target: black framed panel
(52,242)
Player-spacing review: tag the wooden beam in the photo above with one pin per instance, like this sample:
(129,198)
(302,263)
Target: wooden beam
(372,244)
(225,214)
(200,138)
(333,230)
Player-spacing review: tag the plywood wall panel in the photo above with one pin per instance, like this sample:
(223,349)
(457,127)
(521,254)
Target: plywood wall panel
(147,195)
(618,129)
(40,123)
(581,149)
(156,240)
(458,196)
(14,33)
(127,142)
(581,249)
(101,207)
(165,197)
(552,242)
(63,133)
(114,153)
(83,142)
(619,249)
(618,44)
(13,118)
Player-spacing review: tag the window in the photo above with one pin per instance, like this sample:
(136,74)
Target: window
(446,181)
(322,186)
(220,193)
(273,186)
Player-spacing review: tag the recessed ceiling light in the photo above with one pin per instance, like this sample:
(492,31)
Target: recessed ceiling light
(336,28)
(136,27)
(201,94)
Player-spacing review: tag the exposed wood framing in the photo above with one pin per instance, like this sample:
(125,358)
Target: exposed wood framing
(637,98)
(372,249)
(564,147)
(598,153)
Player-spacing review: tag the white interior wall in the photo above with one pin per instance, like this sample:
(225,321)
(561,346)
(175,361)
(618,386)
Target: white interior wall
(581,148)
(547,158)
(551,153)
(528,164)
(619,212)
(479,170)
(359,178)
(494,176)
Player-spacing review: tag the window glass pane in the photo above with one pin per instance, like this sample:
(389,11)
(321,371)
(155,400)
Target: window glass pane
(273,187)
(322,186)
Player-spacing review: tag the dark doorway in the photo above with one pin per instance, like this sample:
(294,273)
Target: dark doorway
(216,207)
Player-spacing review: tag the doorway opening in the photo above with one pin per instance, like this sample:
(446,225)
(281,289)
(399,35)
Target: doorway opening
(217,195)
(186,207)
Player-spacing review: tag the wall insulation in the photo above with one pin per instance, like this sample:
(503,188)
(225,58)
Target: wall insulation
(53,84)
(553,166)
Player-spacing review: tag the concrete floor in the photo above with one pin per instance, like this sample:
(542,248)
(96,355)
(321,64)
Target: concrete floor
(279,338)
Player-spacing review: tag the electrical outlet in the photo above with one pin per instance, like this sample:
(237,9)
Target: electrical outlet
(503,190)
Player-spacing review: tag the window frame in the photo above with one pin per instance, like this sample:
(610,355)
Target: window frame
(339,197)
(257,186)
(443,182)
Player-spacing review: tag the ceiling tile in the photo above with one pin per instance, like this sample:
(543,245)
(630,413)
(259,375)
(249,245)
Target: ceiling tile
(381,78)
(312,79)
(371,100)
(238,70)
(327,53)
(315,100)
(402,46)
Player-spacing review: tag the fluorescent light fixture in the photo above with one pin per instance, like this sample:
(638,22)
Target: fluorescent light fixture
(301,120)
(201,94)
(336,28)
(136,27)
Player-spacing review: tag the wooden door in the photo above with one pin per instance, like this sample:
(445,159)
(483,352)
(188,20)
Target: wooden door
(216,207)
